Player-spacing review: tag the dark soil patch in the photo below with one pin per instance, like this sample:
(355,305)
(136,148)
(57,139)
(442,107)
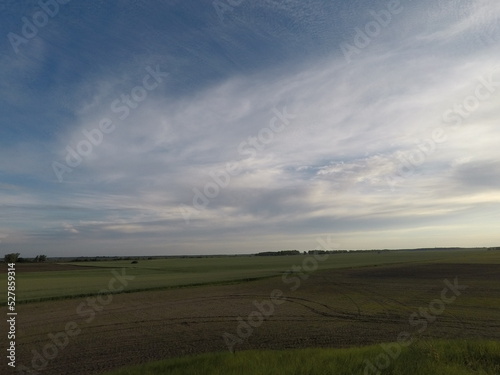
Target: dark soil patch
(430,271)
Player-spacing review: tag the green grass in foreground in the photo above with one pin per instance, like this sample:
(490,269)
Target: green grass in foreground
(422,358)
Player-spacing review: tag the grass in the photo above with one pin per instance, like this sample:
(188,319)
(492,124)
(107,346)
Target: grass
(177,272)
(422,358)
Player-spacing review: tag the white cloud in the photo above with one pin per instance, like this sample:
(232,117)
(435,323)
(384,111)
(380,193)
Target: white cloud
(353,127)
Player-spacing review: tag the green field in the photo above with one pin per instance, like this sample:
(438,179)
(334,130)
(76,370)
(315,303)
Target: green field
(333,315)
(154,274)
(423,358)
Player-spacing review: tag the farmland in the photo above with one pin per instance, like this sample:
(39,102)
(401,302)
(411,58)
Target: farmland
(455,358)
(190,306)
(54,281)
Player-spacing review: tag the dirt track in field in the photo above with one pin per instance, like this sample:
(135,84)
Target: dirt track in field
(333,308)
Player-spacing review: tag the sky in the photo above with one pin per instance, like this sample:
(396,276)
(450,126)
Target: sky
(237,126)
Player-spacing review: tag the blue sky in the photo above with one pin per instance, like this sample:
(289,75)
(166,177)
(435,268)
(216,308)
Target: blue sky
(200,127)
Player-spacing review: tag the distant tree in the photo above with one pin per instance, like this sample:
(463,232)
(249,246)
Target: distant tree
(278,253)
(11,258)
(40,258)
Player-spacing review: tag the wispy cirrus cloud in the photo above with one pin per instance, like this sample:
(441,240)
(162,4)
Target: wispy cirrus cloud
(354,126)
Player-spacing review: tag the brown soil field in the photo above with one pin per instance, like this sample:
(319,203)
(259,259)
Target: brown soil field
(331,308)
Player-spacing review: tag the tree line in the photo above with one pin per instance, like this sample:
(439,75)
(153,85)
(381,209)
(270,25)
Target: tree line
(16,258)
